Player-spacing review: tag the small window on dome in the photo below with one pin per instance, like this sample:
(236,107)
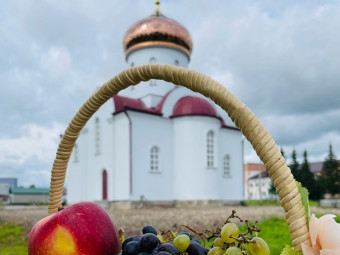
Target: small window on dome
(176,62)
(132,64)
(153,61)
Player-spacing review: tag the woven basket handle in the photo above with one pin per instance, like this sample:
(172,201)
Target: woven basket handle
(244,119)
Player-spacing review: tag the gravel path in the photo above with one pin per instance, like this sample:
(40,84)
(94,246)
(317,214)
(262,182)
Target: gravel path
(200,218)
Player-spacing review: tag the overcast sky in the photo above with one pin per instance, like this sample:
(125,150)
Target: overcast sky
(280,58)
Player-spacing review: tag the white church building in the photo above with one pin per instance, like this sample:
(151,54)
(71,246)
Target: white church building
(157,140)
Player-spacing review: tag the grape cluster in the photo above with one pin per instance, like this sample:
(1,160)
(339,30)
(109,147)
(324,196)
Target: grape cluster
(230,241)
(227,240)
(151,243)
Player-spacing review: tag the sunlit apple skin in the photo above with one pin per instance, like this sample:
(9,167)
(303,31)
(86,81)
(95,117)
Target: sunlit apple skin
(83,228)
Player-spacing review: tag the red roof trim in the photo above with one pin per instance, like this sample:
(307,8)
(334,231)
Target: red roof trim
(186,115)
(230,127)
(125,103)
(137,110)
(223,125)
(122,103)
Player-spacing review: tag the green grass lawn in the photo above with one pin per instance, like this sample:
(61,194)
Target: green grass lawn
(271,203)
(276,234)
(13,239)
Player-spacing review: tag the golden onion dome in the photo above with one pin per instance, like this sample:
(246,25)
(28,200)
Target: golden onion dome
(157,30)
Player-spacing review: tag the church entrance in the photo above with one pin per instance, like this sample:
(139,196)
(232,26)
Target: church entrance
(104,178)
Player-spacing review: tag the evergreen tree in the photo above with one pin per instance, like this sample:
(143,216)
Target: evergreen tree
(294,166)
(330,175)
(307,177)
(272,189)
(282,152)
(318,190)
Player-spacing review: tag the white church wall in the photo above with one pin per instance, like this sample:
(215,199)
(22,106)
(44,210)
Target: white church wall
(161,55)
(106,156)
(193,180)
(85,177)
(109,158)
(148,131)
(76,175)
(93,181)
(121,162)
(99,137)
(231,186)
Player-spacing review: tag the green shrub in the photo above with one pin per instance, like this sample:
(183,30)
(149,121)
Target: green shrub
(260,203)
(271,203)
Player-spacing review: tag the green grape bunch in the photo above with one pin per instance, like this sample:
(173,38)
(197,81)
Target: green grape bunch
(228,240)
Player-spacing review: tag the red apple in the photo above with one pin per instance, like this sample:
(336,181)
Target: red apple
(83,228)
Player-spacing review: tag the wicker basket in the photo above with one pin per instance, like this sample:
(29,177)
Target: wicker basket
(244,119)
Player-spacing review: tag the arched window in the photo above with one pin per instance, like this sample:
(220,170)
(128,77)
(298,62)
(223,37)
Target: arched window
(132,64)
(176,62)
(210,149)
(226,165)
(104,180)
(154,159)
(75,153)
(153,61)
(97,137)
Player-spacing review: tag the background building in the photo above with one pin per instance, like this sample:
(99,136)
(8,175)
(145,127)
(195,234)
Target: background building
(258,187)
(257,182)
(12,182)
(251,170)
(29,195)
(157,141)
(5,185)
(10,193)
(316,167)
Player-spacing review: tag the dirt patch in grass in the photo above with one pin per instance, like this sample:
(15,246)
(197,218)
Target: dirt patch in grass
(132,221)
(200,218)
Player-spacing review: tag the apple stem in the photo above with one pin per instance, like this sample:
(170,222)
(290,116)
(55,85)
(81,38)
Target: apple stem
(60,208)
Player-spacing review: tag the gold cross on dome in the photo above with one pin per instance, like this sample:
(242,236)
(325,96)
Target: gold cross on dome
(157,7)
